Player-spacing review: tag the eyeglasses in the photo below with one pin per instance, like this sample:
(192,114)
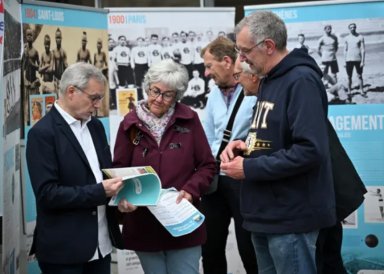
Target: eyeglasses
(247,51)
(236,75)
(93,97)
(167,96)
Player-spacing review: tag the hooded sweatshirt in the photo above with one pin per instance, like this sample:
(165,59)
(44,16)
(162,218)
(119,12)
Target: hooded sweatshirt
(289,186)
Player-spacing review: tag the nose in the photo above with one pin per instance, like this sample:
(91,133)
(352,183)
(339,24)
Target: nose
(242,57)
(159,98)
(207,72)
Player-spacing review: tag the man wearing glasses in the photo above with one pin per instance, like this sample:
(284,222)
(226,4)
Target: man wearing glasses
(246,77)
(66,151)
(287,191)
(222,204)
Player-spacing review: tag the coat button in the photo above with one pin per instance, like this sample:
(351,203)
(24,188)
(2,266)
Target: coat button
(94,213)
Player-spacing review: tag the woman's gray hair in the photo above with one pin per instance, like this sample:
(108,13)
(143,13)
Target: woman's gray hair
(79,74)
(265,25)
(246,68)
(170,73)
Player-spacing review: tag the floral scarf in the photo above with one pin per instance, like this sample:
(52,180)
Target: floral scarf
(155,124)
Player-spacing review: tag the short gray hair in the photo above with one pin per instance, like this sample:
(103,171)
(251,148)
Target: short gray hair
(79,74)
(170,73)
(265,25)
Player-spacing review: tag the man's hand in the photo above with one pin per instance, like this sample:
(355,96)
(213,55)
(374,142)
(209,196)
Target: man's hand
(233,149)
(125,206)
(112,186)
(234,168)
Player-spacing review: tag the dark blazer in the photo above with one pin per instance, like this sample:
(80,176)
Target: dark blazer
(67,194)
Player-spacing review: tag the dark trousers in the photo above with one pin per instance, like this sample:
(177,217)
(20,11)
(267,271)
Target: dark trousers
(328,250)
(101,266)
(218,208)
(125,75)
(140,71)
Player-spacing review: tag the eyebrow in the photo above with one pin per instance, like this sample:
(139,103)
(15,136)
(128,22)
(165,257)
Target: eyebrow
(162,91)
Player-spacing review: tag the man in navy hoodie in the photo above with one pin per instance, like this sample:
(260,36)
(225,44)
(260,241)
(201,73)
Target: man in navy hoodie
(287,191)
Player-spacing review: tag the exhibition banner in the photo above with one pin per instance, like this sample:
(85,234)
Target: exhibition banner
(1,100)
(55,38)
(346,38)
(141,37)
(10,139)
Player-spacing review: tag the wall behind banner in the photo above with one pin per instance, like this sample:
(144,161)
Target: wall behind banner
(10,158)
(1,123)
(358,119)
(1,103)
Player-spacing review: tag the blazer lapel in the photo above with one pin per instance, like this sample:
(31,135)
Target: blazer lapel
(67,131)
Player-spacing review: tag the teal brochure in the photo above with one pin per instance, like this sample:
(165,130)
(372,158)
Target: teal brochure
(142,186)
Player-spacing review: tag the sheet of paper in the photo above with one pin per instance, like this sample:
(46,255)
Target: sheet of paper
(179,219)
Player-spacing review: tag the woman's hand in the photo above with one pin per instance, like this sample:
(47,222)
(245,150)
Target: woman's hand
(184,195)
(125,206)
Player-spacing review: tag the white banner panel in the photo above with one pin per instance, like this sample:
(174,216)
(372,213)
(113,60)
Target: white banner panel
(141,37)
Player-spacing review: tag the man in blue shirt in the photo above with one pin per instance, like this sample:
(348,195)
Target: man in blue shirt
(223,204)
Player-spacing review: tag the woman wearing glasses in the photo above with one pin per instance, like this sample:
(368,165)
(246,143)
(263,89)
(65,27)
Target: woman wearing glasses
(167,135)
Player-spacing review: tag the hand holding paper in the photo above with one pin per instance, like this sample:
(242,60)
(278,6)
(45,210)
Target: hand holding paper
(112,186)
(125,206)
(178,218)
(141,185)
(184,195)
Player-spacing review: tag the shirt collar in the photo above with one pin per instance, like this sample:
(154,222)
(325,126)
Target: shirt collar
(227,91)
(69,118)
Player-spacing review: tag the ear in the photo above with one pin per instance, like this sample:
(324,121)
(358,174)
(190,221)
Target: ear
(270,45)
(255,79)
(70,91)
(228,61)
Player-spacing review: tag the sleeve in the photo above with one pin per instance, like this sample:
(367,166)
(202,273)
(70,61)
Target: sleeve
(208,120)
(205,166)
